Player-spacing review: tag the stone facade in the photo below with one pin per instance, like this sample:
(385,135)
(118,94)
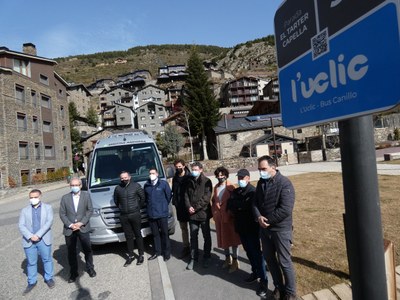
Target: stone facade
(81,96)
(34,131)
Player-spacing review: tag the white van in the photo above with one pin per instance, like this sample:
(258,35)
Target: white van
(132,151)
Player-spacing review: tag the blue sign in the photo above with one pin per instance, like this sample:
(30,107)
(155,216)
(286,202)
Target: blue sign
(354,72)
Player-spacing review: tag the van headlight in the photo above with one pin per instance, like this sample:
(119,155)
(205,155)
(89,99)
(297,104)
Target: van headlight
(96,212)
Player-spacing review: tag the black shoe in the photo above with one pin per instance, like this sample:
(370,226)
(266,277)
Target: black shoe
(140,260)
(50,283)
(129,260)
(154,256)
(72,278)
(167,257)
(185,252)
(92,273)
(262,290)
(277,294)
(253,277)
(29,288)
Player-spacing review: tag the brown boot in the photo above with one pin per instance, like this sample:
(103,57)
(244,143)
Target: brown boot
(227,263)
(234,266)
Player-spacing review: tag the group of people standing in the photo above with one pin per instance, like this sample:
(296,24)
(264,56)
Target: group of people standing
(259,218)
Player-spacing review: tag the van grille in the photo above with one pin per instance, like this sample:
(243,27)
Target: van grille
(110,216)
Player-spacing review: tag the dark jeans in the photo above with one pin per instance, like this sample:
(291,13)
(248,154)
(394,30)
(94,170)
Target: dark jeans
(277,253)
(194,238)
(159,229)
(251,244)
(131,224)
(71,241)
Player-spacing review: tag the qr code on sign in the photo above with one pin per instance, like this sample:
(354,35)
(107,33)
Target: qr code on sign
(320,44)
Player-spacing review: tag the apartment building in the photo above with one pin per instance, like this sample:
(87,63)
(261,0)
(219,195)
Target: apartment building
(152,109)
(34,123)
(241,91)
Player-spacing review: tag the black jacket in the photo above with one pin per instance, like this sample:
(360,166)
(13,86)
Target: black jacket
(129,198)
(241,205)
(198,195)
(276,203)
(178,195)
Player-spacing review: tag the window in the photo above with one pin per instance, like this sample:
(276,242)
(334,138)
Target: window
(45,101)
(47,126)
(65,152)
(34,98)
(35,124)
(61,92)
(152,125)
(142,118)
(151,117)
(38,171)
(268,131)
(20,93)
(21,122)
(36,152)
(121,110)
(160,109)
(142,110)
(23,150)
(143,126)
(48,151)
(161,116)
(62,111)
(122,118)
(44,79)
(64,132)
(299,130)
(233,137)
(50,170)
(22,66)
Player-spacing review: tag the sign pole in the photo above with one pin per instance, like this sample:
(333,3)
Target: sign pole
(363,226)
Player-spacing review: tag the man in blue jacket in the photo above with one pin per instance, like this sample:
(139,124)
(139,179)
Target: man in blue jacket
(34,224)
(273,208)
(158,195)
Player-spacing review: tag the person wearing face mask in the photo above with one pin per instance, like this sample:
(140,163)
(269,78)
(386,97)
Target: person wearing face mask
(178,200)
(158,196)
(224,224)
(35,223)
(197,200)
(129,198)
(240,204)
(75,212)
(273,207)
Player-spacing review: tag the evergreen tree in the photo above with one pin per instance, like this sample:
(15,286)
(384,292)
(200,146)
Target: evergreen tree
(76,145)
(171,141)
(199,102)
(91,116)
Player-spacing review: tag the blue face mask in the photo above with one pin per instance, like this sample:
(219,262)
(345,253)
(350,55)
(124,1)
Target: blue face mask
(242,183)
(75,189)
(265,175)
(195,173)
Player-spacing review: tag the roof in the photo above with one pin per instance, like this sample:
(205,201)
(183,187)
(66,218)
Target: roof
(226,125)
(80,85)
(5,50)
(269,138)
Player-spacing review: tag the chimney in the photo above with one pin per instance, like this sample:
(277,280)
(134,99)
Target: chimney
(29,48)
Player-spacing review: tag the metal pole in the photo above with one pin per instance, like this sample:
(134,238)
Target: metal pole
(273,136)
(363,226)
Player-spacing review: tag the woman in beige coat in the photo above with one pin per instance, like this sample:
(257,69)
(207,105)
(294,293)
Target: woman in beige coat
(226,235)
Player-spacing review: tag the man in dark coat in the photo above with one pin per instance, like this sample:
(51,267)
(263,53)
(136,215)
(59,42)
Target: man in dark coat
(241,205)
(158,197)
(75,212)
(197,200)
(178,200)
(129,198)
(273,208)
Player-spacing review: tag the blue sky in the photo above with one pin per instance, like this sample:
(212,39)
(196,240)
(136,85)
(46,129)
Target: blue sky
(64,28)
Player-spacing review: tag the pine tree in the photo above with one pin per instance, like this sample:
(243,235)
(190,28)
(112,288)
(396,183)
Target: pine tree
(199,101)
(91,116)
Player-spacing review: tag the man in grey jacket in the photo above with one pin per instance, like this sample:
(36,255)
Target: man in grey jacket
(273,207)
(75,212)
(34,224)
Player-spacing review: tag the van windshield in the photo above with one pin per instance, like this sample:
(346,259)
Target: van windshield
(136,159)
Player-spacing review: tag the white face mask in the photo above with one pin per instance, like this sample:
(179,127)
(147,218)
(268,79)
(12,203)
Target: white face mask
(153,177)
(265,175)
(75,189)
(242,183)
(34,201)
